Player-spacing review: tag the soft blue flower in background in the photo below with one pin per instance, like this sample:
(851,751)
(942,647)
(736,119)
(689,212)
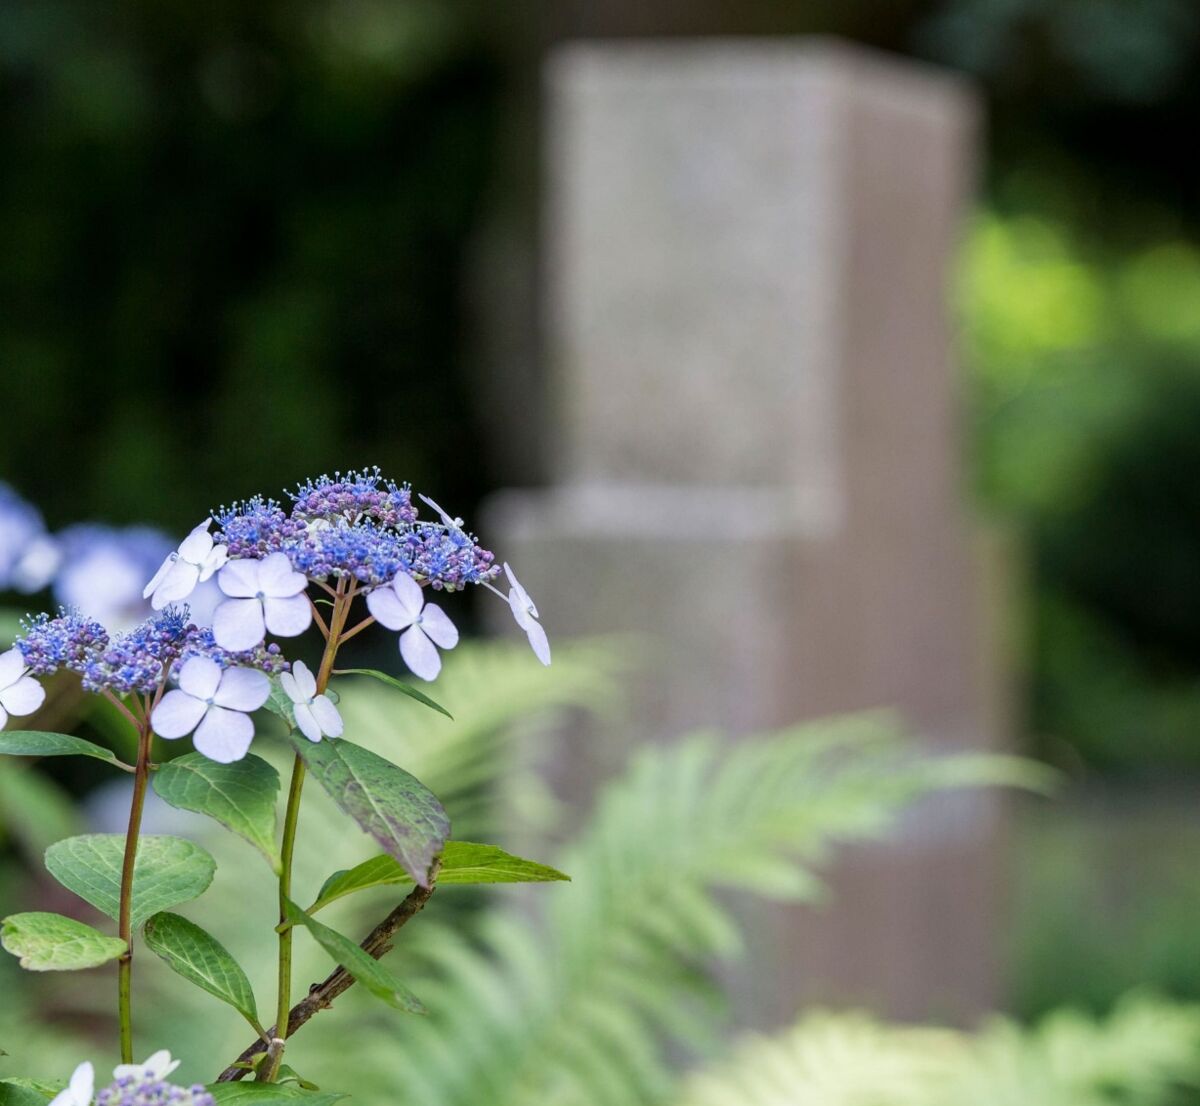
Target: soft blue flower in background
(97,570)
(204,601)
(104,571)
(29,557)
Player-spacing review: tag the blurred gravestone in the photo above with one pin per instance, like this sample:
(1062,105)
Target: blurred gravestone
(756,458)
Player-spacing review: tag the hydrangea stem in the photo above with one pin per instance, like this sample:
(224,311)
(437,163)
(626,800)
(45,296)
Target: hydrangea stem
(125,914)
(343,597)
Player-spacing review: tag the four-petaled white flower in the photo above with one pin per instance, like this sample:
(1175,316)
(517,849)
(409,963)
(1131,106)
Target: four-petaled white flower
(401,605)
(79,1091)
(215,703)
(196,559)
(158,1066)
(264,595)
(19,693)
(526,614)
(316,716)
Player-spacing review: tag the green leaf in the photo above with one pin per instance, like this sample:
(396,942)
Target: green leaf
(52,943)
(366,969)
(36,743)
(462,862)
(241,796)
(270,1094)
(399,685)
(288,1074)
(167,871)
(21,1092)
(394,807)
(201,959)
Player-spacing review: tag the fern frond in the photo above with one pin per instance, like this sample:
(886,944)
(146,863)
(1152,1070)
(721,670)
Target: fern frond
(1139,1056)
(578,1010)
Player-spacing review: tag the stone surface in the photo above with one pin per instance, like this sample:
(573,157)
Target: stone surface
(754,412)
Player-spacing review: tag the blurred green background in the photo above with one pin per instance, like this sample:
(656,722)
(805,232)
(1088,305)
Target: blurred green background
(244,243)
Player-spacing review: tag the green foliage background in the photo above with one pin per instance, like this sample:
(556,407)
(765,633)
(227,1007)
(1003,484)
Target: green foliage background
(233,247)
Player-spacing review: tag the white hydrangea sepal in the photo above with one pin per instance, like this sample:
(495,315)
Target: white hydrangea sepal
(20,693)
(525,613)
(160,1065)
(263,595)
(81,1088)
(214,705)
(316,716)
(424,627)
(195,561)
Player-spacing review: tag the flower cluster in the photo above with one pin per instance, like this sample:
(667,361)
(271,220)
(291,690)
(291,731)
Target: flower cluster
(69,641)
(358,526)
(352,534)
(136,662)
(256,527)
(133,1085)
(354,527)
(353,497)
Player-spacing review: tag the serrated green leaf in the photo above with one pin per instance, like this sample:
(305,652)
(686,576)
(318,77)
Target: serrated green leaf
(366,969)
(462,862)
(394,807)
(21,1092)
(51,943)
(36,743)
(399,685)
(271,1094)
(241,796)
(167,871)
(201,959)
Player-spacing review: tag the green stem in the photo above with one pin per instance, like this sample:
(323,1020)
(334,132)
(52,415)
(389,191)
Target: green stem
(124,926)
(337,623)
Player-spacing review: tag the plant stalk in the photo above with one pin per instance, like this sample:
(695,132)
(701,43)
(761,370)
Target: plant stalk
(124,918)
(320,996)
(337,622)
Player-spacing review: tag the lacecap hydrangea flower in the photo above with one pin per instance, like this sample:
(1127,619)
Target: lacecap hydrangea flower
(350,535)
(352,531)
(133,1085)
(141,662)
